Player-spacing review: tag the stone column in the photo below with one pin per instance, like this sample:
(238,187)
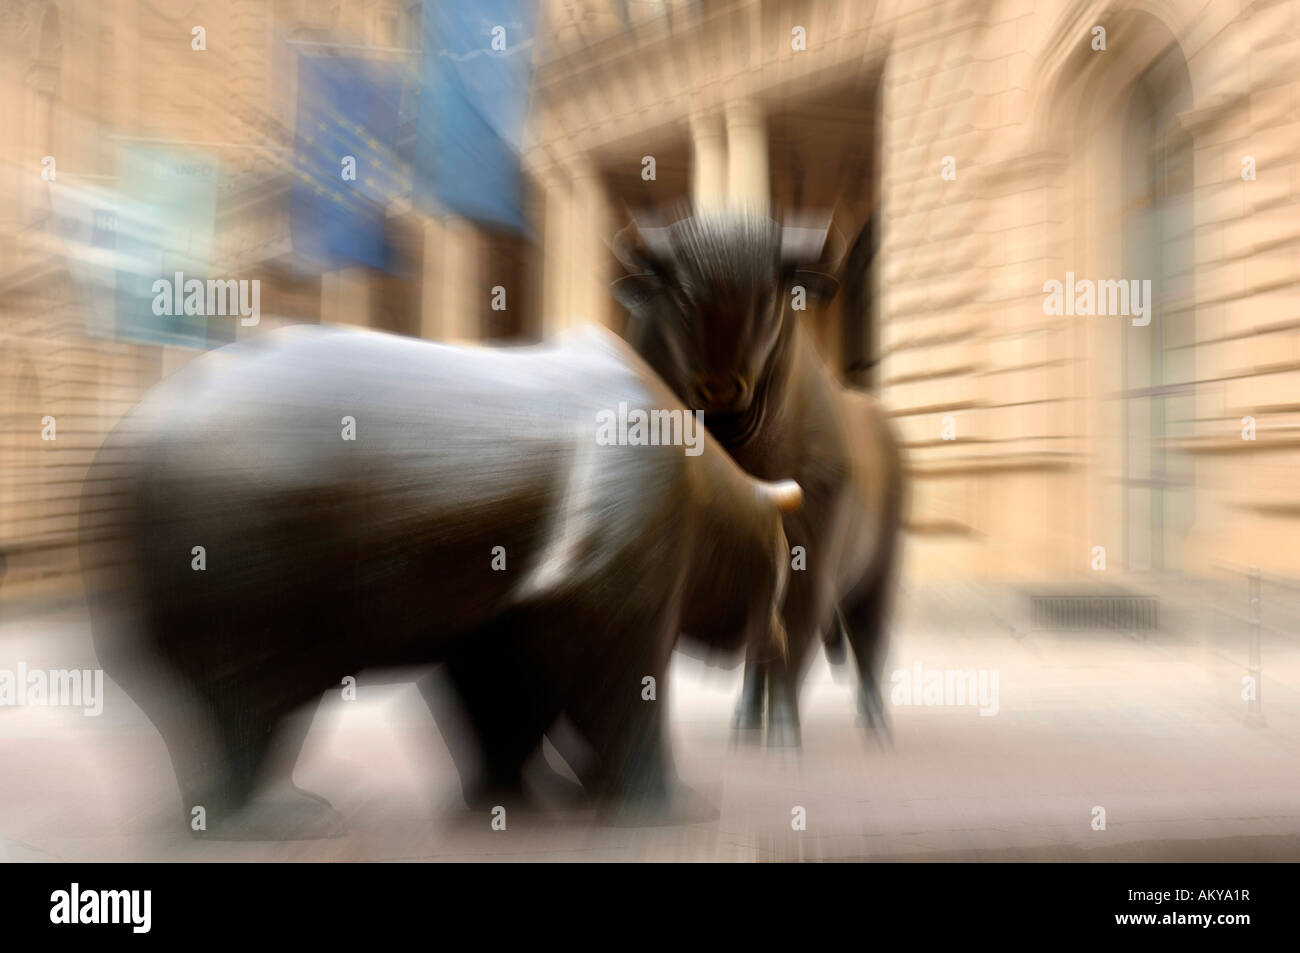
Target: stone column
(590,274)
(346,297)
(463,296)
(557,296)
(452,300)
(709,161)
(748,185)
(430,281)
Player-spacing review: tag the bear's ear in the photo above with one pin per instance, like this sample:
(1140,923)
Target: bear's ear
(638,293)
(821,287)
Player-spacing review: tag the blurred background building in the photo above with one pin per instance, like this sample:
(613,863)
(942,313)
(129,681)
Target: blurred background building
(967,151)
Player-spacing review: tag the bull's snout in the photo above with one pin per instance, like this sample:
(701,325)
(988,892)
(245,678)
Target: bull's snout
(722,391)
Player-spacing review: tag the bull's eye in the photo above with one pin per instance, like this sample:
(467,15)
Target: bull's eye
(680,302)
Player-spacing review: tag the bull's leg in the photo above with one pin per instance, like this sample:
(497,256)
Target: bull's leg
(783,680)
(836,641)
(783,706)
(866,623)
(748,718)
(866,619)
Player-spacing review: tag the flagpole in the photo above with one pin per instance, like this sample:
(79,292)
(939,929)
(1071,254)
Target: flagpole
(198,142)
(353,46)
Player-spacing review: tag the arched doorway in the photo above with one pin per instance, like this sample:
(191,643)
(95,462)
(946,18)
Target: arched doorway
(1109,123)
(1159,365)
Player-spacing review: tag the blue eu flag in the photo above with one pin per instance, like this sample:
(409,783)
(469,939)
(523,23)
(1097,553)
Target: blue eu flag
(474,75)
(344,163)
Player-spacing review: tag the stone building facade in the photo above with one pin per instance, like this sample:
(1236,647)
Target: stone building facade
(969,153)
(1003,145)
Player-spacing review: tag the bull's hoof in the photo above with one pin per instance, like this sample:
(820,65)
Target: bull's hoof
(782,719)
(783,732)
(679,805)
(873,716)
(281,815)
(746,737)
(747,724)
(748,717)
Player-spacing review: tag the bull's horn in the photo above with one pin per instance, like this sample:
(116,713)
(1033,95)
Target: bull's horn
(786,494)
(624,247)
(640,247)
(837,247)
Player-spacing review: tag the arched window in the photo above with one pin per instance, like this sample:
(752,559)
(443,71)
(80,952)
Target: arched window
(42,89)
(1159,359)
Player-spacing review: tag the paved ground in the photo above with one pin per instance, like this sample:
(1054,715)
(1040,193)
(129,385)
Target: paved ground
(1150,730)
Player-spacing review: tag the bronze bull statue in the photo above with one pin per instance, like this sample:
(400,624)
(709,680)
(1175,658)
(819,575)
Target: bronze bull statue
(709,307)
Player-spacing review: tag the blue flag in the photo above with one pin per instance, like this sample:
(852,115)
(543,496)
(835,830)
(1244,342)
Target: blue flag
(345,163)
(474,76)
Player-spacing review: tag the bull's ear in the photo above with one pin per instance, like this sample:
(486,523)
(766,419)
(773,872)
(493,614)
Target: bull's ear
(626,247)
(821,287)
(636,292)
(641,248)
